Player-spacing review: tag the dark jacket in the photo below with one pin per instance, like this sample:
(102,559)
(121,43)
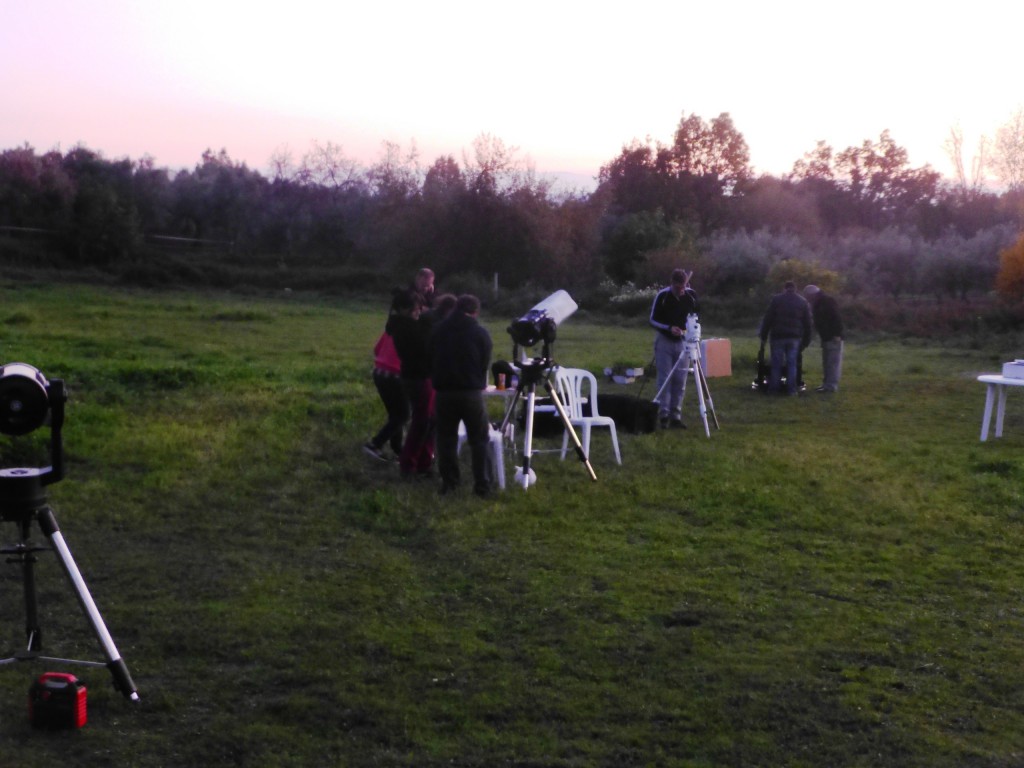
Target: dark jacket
(460,351)
(827,322)
(668,310)
(788,317)
(411,337)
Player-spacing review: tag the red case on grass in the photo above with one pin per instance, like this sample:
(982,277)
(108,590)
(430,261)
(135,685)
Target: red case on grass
(57,700)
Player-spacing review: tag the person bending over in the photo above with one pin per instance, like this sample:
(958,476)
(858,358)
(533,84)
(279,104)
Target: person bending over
(829,326)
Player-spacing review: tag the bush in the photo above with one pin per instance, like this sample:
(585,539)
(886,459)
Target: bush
(1010,278)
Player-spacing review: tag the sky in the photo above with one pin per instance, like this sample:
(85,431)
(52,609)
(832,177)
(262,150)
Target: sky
(566,83)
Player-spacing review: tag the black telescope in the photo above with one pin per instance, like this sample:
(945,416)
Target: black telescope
(27,402)
(539,325)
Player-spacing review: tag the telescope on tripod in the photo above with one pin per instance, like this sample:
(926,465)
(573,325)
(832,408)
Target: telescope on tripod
(27,402)
(690,360)
(539,326)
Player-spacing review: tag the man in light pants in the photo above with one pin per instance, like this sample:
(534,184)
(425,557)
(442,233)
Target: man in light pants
(669,311)
(829,326)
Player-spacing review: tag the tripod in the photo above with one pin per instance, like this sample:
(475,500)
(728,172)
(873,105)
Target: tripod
(22,501)
(533,372)
(689,358)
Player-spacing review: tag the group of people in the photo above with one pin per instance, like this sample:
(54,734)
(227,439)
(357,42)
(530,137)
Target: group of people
(787,325)
(431,364)
(430,369)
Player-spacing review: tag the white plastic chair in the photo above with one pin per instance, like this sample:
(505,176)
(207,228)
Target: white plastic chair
(577,387)
(497,454)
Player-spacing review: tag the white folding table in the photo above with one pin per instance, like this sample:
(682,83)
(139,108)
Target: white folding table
(995,393)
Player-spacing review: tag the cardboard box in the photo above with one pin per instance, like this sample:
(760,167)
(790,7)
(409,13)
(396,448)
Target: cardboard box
(716,357)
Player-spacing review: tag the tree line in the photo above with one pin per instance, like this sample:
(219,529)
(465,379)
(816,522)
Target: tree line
(860,219)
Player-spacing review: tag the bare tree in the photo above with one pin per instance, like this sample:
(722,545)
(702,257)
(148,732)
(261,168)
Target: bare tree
(328,166)
(494,167)
(1008,153)
(282,164)
(968,185)
(395,175)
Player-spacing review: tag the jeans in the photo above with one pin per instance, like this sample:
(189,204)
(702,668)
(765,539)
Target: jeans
(784,352)
(832,363)
(666,353)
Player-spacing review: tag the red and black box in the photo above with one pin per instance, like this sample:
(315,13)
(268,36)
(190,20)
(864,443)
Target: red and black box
(57,700)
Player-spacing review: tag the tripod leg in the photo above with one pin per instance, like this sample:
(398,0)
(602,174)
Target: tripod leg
(668,379)
(511,409)
(707,394)
(687,369)
(568,428)
(25,554)
(122,679)
(700,397)
(528,436)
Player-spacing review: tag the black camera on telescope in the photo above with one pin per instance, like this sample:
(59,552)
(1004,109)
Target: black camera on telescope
(539,324)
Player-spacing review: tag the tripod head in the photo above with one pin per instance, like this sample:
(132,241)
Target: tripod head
(27,402)
(535,370)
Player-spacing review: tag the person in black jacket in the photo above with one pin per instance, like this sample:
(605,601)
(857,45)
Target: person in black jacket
(787,324)
(411,332)
(829,326)
(669,311)
(460,356)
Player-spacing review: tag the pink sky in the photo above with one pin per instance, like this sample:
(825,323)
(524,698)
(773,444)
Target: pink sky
(568,83)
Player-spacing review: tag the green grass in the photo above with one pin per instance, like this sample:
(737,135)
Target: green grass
(827,580)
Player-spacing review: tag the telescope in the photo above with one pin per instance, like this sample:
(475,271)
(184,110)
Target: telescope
(692,329)
(538,326)
(540,323)
(27,402)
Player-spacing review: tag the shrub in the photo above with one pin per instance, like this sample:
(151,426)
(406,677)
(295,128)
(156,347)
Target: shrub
(1010,278)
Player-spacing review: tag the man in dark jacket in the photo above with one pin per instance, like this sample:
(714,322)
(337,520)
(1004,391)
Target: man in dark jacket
(829,326)
(787,324)
(671,306)
(460,356)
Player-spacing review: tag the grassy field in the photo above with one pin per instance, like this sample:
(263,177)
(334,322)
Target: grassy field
(827,580)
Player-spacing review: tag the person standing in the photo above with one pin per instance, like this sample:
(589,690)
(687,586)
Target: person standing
(411,333)
(829,326)
(423,284)
(460,357)
(787,323)
(671,307)
(387,371)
